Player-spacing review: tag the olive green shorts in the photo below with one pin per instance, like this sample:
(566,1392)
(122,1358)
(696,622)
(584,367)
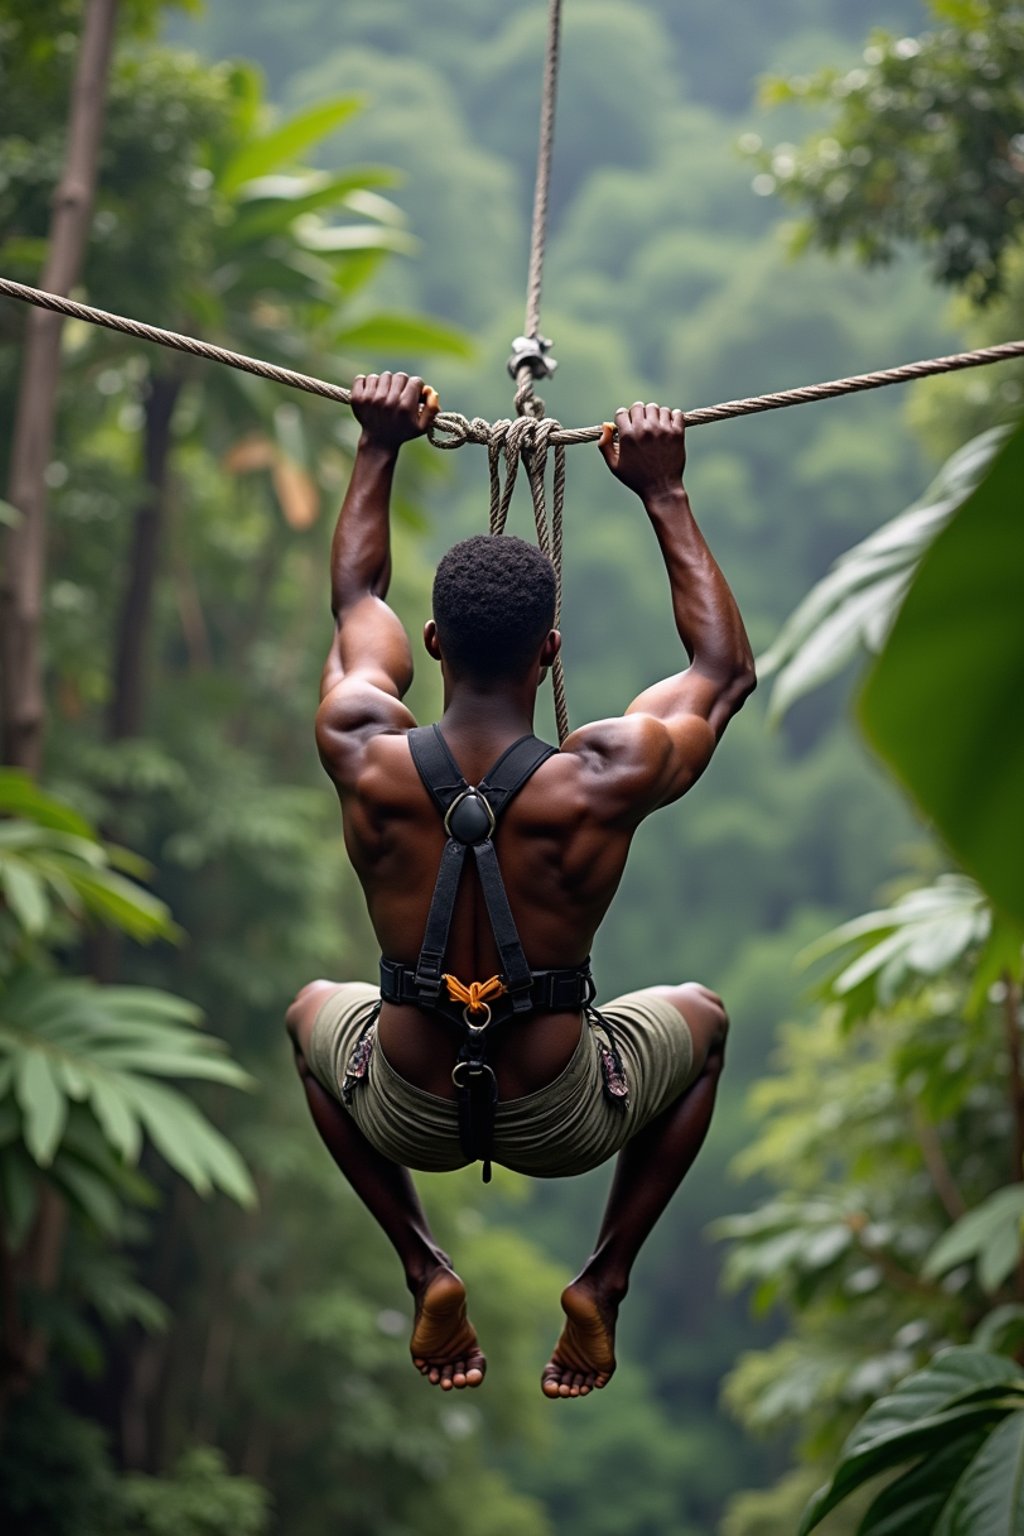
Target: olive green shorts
(565,1128)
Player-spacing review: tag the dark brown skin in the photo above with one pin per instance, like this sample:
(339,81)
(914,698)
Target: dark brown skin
(563,845)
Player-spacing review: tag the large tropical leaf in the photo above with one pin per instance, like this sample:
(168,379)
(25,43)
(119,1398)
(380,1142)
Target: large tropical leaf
(963,1395)
(853,608)
(73,1041)
(942,705)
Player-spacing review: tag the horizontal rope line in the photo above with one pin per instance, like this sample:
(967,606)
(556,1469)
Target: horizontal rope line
(450,429)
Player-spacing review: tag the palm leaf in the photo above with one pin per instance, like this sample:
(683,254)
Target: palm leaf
(73,1041)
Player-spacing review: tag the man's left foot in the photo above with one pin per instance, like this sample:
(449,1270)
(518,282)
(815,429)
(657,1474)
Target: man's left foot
(444,1343)
(584,1357)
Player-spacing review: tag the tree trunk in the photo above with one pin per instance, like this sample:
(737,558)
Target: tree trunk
(132,643)
(21,592)
(23,1350)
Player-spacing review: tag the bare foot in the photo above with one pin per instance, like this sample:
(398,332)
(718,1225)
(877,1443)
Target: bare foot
(584,1357)
(444,1345)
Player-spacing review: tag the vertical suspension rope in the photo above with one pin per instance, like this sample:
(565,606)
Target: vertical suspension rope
(529,362)
(542,186)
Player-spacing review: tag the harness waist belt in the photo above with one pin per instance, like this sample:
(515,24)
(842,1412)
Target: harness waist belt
(559,991)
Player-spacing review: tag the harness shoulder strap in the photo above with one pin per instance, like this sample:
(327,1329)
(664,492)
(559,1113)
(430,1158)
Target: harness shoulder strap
(436,766)
(442,778)
(518,763)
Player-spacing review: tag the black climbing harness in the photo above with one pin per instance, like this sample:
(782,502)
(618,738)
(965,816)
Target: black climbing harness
(471,814)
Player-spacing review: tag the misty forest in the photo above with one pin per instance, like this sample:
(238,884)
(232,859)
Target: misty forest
(203,1332)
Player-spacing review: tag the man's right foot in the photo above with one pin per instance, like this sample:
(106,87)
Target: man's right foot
(444,1344)
(584,1357)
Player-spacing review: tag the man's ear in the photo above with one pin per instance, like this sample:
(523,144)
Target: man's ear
(431,641)
(551,647)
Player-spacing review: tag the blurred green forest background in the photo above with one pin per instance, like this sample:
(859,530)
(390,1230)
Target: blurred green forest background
(347,187)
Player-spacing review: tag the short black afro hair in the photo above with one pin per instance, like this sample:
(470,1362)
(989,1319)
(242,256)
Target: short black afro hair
(494,602)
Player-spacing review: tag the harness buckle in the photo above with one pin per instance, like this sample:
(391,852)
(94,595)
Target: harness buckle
(474,811)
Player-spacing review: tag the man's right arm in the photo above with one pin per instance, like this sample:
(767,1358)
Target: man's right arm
(666,739)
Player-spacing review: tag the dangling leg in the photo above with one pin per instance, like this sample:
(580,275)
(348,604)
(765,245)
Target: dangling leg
(444,1344)
(649,1170)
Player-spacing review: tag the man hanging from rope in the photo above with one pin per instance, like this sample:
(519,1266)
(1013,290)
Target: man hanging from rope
(482,1041)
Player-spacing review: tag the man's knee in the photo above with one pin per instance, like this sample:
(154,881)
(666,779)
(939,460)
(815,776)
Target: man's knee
(302,1012)
(705,1017)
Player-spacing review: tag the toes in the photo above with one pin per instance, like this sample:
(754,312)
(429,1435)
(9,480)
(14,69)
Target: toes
(474,1376)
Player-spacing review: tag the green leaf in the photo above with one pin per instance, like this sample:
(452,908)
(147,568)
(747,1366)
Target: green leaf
(920,936)
(270,205)
(21,796)
(285,144)
(854,606)
(117,1115)
(952,1396)
(25,895)
(125,906)
(992,1228)
(342,239)
(941,704)
(191,1145)
(93,1195)
(884,1452)
(913,1502)
(950,1377)
(404,333)
(43,1105)
(10,517)
(988,1500)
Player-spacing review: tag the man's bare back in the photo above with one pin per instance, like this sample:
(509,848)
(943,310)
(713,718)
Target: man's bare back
(562,846)
(562,856)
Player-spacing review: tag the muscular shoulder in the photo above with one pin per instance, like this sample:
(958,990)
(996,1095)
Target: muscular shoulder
(356,716)
(634,763)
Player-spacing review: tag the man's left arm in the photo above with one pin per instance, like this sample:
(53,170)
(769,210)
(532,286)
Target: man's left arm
(369,665)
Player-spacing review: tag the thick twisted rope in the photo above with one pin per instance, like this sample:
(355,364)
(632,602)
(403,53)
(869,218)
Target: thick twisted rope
(451,429)
(542,185)
(527,402)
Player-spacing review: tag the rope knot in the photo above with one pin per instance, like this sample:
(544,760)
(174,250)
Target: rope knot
(453,430)
(477,995)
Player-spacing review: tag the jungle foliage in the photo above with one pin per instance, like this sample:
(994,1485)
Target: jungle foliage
(214,1366)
